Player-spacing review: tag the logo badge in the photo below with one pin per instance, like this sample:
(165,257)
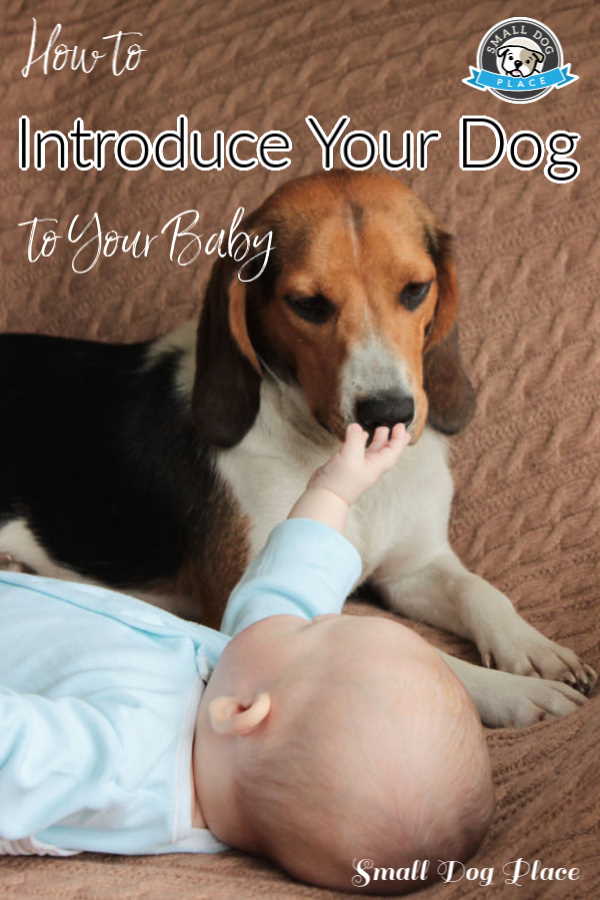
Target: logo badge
(520,60)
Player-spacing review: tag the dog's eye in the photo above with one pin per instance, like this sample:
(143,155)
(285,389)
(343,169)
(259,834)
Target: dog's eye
(317,309)
(414,293)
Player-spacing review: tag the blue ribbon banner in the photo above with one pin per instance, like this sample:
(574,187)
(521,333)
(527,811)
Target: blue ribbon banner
(482,80)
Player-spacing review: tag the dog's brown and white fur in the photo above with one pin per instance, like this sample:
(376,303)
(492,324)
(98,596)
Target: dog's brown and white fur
(354,318)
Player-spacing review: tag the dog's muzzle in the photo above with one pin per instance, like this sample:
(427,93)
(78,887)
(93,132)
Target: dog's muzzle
(384,408)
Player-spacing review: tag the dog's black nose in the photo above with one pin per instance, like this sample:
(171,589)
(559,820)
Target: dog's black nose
(518,63)
(384,408)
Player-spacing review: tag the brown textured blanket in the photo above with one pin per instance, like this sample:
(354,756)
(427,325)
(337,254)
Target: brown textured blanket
(527,510)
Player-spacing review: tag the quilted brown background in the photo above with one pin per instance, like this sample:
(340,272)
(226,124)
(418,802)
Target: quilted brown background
(527,511)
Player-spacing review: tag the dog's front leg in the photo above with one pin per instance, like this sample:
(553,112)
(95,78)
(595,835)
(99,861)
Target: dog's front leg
(506,700)
(444,593)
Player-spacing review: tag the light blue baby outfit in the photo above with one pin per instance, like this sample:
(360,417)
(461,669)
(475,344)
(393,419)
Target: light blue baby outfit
(99,694)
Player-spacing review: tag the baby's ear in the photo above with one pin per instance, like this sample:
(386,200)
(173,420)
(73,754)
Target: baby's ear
(228,716)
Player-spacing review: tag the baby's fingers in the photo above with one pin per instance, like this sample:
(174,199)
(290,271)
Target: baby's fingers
(355,442)
(380,439)
(398,441)
(399,437)
(385,457)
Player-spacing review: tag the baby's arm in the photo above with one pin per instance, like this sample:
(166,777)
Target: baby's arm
(56,757)
(307,567)
(339,483)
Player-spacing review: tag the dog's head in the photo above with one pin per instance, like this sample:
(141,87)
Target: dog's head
(355,310)
(519,61)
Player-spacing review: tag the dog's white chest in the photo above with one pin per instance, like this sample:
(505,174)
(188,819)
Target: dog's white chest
(404,513)
(407,510)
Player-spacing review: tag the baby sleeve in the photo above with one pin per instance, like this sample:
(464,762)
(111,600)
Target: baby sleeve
(55,758)
(305,569)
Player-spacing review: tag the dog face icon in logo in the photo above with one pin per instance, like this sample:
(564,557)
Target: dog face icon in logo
(520,60)
(519,57)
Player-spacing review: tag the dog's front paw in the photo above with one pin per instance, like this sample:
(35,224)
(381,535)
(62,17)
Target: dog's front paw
(9,564)
(507,700)
(519,648)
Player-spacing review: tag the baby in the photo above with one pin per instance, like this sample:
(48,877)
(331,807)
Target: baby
(310,737)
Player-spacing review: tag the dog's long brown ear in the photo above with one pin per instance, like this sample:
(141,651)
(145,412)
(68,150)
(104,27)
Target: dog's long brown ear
(450,393)
(226,389)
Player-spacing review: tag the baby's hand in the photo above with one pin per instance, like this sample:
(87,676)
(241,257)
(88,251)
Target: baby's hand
(356,467)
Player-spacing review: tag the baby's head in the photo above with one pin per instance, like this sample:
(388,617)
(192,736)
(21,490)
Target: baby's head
(343,738)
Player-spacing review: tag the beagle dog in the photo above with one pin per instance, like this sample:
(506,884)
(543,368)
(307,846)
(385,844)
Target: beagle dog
(159,468)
